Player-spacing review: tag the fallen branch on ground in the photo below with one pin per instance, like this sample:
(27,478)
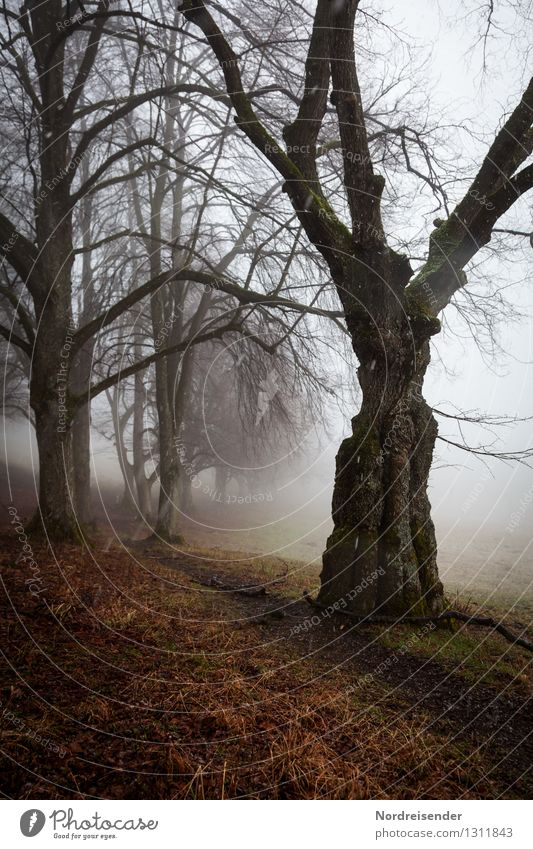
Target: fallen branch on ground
(216,582)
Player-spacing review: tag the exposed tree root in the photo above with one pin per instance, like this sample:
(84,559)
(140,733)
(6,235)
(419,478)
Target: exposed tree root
(446,616)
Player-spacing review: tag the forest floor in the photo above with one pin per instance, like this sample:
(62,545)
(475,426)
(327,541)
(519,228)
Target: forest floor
(142,672)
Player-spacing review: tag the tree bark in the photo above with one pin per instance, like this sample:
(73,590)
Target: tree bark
(82,365)
(81,447)
(382,551)
(55,515)
(382,554)
(142,484)
(167,527)
(50,390)
(185,499)
(81,436)
(50,284)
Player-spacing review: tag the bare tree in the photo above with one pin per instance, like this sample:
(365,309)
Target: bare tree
(69,143)
(384,540)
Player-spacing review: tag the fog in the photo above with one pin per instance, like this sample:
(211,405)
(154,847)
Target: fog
(483,507)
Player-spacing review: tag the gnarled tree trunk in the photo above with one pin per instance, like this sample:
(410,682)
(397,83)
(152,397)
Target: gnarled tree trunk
(382,553)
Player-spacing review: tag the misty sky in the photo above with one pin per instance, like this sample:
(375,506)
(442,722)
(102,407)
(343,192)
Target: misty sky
(469,494)
(502,387)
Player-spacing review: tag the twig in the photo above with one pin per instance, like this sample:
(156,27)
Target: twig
(247,591)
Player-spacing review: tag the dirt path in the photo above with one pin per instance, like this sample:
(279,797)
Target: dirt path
(134,675)
(496,721)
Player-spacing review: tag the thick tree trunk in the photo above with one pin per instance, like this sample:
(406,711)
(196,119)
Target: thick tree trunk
(127,502)
(168,525)
(142,485)
(81,437)
(81,448)
(50,285)
(381,555)
(55,515)
(185,501)
(144,499)
(50,397)
(82,367)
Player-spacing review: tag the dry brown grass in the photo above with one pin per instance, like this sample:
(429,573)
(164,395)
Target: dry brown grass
(159,688)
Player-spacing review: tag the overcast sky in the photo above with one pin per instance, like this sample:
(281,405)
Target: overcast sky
(456,82)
